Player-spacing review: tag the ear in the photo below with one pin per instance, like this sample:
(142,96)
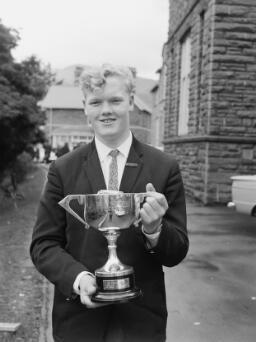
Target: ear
(84,103)
(131,102)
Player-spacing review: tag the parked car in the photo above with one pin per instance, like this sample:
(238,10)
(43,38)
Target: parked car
(244,194)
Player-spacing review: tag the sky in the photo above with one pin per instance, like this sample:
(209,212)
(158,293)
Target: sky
(90,32)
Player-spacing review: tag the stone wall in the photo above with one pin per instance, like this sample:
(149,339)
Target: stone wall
(226,160)
(191,159)
(221,139)
(234,69)
(208,165)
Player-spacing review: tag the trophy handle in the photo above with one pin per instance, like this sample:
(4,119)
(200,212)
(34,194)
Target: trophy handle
(65,204)
(139,198)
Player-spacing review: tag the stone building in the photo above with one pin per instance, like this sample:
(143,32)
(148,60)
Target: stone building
(66,121)
(210,111)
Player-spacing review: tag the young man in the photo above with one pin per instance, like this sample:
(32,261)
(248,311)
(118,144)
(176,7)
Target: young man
(67,254)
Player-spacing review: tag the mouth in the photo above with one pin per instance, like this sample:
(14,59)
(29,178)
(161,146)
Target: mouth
(108,120)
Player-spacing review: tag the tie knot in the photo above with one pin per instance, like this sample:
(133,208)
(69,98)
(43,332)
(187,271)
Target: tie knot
(114,153)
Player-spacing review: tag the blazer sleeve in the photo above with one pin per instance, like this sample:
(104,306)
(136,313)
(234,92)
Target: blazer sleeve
(173,242)
(47,248)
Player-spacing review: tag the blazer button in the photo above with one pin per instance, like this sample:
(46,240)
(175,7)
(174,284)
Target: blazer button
(151,251)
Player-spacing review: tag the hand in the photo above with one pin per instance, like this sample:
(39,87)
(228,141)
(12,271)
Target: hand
(87,289)
(153,210)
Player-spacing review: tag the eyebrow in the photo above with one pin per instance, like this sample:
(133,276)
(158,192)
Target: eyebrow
(118,97)
(94,99)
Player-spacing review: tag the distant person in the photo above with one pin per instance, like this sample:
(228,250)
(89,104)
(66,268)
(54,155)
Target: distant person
(47,148)
(52,156)
(67,254)
(62,150)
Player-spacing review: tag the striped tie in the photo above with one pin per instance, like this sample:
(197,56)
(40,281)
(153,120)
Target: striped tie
(113,171)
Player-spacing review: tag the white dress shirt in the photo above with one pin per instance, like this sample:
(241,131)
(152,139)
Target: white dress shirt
(105,158)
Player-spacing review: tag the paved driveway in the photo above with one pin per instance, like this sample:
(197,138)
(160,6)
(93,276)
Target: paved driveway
(212,294)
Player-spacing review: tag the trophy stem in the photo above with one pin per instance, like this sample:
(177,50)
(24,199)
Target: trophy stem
(115,281)
(113,264)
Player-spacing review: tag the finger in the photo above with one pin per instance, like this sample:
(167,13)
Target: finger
(86,300)
(150,187)
(160,198)
(85,295)
(157,200)
(145,217)
(88,286)
(151,214)
(155,205)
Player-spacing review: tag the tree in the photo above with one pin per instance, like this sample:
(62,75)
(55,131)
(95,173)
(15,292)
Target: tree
(8,41)
(22,85)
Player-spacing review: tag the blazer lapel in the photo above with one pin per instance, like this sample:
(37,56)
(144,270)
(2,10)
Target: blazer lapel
(132,168)
(93,170)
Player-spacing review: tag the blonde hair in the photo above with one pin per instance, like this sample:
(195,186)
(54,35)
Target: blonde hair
(95,77)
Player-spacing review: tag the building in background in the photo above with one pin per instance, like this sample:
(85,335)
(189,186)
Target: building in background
(66,121)
(210,110)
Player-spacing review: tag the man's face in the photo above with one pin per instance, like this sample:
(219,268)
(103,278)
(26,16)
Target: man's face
(108,111)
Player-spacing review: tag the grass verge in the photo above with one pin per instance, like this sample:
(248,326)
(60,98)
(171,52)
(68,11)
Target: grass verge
(21,286)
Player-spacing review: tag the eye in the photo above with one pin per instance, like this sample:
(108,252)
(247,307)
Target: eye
(116,100)
(94,103)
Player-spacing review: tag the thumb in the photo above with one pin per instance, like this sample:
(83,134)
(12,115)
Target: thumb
(150,187)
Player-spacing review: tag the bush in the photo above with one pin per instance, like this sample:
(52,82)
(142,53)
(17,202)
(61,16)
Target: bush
(22,166)
(11,177)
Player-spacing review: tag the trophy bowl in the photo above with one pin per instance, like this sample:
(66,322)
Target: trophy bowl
(110,212)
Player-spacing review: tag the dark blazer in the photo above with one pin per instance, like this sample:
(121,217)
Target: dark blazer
(61,247)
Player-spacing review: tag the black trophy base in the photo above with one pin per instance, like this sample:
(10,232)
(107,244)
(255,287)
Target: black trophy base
(115,288)
(118,297)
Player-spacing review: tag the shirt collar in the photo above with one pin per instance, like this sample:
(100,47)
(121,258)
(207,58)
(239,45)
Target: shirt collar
(104,150)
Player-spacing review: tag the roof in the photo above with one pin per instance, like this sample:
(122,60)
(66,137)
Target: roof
(63,97)
(68,97)
(143,90)
(141,104)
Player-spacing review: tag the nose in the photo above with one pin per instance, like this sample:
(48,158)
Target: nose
(106,108)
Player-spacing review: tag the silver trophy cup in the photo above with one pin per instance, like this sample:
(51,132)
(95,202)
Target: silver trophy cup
(110,212)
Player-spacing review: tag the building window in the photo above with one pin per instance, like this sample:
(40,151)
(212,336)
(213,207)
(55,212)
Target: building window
(78,139)
(185,66)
